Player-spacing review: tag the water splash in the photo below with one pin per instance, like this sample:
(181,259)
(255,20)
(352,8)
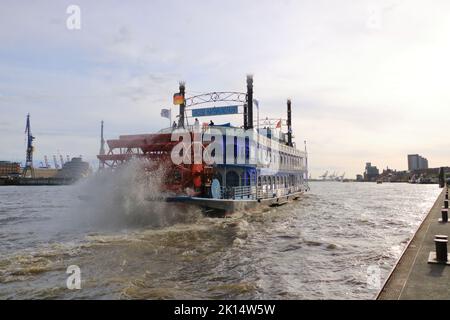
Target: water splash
(123,198)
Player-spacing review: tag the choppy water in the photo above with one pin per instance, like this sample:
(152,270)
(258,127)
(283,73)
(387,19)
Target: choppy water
(319,247)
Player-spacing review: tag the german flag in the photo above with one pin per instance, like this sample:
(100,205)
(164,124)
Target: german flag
(178,99)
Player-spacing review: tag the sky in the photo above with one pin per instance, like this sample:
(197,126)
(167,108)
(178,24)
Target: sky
(368,79)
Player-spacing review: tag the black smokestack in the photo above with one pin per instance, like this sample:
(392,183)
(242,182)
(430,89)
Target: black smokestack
(249,101)
(182,106)
(289,122)
(245,117)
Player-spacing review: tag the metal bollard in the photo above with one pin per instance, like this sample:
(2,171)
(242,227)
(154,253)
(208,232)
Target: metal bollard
(441,249)
(444,213)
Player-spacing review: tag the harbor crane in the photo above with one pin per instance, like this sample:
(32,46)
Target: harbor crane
(55,162)
(324,176)
(30,149)
(62,160)
(47,165)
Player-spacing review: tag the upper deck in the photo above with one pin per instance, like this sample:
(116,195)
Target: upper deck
(270,148)
(267,145)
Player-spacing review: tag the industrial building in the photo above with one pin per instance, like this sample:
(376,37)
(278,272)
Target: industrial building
(9,168)
(417,162)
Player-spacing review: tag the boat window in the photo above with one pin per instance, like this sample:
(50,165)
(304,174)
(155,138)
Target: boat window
(232,179)
(248,178)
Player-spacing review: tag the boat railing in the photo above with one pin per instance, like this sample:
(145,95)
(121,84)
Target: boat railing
(265,192)
(239,193)
(191,128)
(253,193)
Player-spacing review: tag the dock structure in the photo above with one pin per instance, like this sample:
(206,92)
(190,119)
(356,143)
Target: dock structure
(414,277)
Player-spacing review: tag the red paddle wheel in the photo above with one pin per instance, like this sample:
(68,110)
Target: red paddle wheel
(187,179)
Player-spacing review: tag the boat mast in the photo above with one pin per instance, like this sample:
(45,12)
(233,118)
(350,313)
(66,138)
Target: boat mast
(102,146)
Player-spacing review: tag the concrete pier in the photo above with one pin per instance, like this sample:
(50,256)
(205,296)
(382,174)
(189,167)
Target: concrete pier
(413,277)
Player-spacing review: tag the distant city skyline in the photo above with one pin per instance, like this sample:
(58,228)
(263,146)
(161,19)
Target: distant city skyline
(367,79)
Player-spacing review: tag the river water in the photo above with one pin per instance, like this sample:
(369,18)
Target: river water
(324,246)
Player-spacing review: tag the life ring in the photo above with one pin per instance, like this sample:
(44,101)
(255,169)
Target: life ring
(215,189)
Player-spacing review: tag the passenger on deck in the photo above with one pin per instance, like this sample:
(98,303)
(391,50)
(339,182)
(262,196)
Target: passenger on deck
(211,123)
(174,125)
(196,124)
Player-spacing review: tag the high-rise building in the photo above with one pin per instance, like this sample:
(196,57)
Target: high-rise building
(371,172)
(417,162)
(423,163)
